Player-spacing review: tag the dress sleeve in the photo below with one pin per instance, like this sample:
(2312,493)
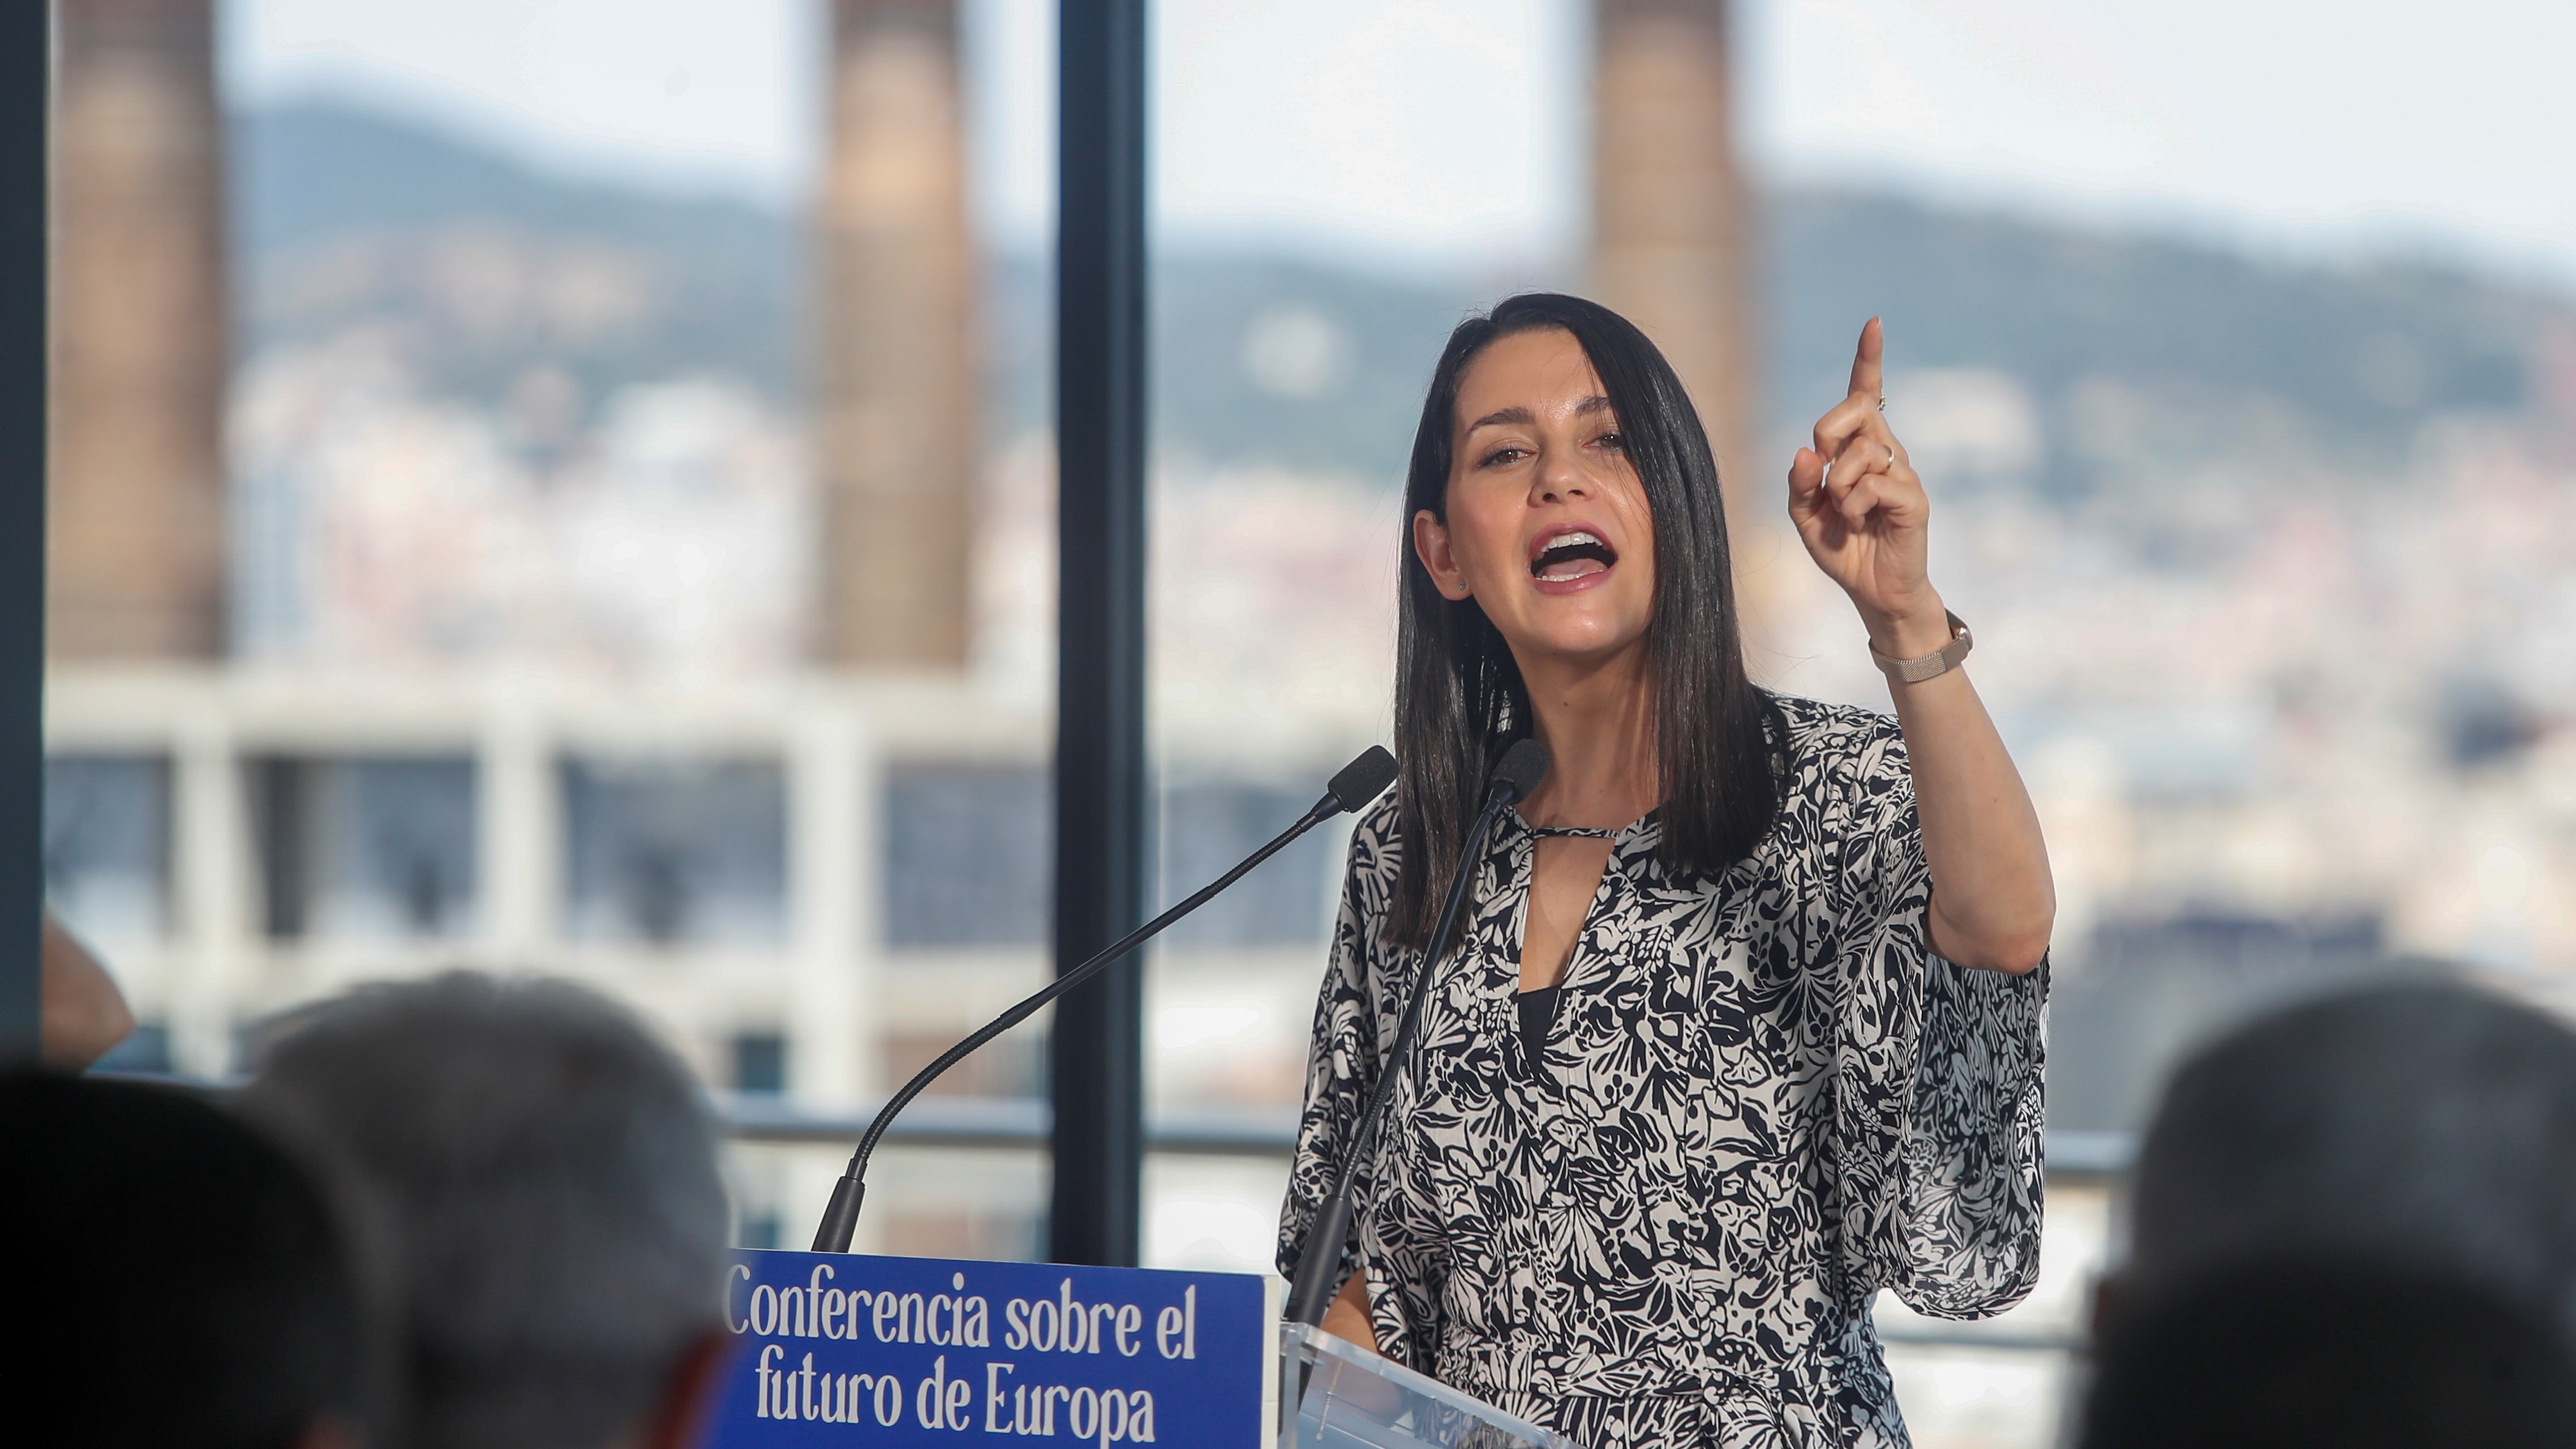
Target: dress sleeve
(1354,1014)
(1938,1073)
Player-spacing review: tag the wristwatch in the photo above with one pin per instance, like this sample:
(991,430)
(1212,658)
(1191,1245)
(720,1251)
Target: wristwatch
(1929,666)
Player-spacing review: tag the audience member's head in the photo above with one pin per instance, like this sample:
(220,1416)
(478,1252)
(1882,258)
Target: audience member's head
(546,1174)
(181,1283)
(2329,1355)
(2426,1124)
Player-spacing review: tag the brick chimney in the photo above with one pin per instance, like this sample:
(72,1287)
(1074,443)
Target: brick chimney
(137,539)
(1671,235)
(896,378)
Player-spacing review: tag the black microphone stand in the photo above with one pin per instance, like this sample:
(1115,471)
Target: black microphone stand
(1359,782)
(1317,1281)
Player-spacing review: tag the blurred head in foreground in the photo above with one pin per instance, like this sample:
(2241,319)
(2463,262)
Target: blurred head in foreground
(2429,1124)
(181,1282)
(2330,1355)
(545,1174)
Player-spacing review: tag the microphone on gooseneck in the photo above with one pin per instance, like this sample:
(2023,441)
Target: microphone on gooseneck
(1312,1288)
(1359,782)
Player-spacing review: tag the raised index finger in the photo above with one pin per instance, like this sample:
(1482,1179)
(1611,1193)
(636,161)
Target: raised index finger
(1865,378)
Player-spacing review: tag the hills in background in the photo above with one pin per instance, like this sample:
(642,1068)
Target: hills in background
(489,270)
(341,218)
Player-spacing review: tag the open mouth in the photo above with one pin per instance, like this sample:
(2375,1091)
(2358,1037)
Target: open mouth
(1568,556)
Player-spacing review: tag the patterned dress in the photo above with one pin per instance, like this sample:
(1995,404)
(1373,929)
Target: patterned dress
(1762,1099)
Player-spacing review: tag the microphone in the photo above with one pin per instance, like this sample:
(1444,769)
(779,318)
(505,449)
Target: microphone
(1313,1287)
(1359,782)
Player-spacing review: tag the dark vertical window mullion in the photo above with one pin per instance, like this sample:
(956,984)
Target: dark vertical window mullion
(26,51)
(1102,790)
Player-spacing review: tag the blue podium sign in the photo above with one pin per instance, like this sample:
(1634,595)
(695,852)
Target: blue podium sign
(842,1348)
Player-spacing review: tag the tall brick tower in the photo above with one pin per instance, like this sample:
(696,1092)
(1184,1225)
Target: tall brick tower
(1671,236)
(896,395)
(137,542)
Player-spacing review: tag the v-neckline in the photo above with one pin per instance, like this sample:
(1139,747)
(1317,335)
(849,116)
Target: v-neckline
(1582,927)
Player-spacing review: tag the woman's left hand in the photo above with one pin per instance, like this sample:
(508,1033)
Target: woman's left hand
(1861,509)
(1862,512)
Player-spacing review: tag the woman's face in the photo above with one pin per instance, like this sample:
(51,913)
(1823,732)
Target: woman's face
(1548,528)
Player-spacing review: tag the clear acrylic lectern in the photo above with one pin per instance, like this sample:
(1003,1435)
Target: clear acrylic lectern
(1354,1399)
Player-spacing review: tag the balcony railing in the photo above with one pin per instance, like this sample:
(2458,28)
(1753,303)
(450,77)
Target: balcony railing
(1021,1124)
(1008,1123)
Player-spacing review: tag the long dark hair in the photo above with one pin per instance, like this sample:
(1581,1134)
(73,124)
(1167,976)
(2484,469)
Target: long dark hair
(1459,697)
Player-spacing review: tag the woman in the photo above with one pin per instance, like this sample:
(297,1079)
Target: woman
(1743,1022)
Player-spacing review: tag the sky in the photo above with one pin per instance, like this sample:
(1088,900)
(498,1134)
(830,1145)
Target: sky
(1434,134)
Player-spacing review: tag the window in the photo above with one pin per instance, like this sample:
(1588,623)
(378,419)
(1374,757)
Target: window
(1286,901)
(669,853)
(366,848)
(968,856)
(107,847)
(760,1063)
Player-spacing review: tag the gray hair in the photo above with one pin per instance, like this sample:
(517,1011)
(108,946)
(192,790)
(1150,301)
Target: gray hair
(546,1174)
(2431,1125)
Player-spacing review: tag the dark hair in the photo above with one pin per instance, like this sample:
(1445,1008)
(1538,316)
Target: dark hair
(2334,1353)
(1459,697)
(185,1285)
(2435,1118)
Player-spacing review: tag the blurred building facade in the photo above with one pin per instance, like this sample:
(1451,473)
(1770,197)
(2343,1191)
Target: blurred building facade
(424,637)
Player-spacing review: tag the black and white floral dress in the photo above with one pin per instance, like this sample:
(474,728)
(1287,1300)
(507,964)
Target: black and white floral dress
(1761,1100)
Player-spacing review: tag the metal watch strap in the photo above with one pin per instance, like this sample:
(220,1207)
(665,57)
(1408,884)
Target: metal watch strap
(1929,666)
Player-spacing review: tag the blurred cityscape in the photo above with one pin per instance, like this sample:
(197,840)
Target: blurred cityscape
(457,564)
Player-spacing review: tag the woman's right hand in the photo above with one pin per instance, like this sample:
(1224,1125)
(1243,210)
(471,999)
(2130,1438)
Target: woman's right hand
(1348,1318)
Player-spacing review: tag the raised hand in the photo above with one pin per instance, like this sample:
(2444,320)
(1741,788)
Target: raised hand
(1861,510)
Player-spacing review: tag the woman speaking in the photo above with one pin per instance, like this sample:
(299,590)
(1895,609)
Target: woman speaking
(1742,1022)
